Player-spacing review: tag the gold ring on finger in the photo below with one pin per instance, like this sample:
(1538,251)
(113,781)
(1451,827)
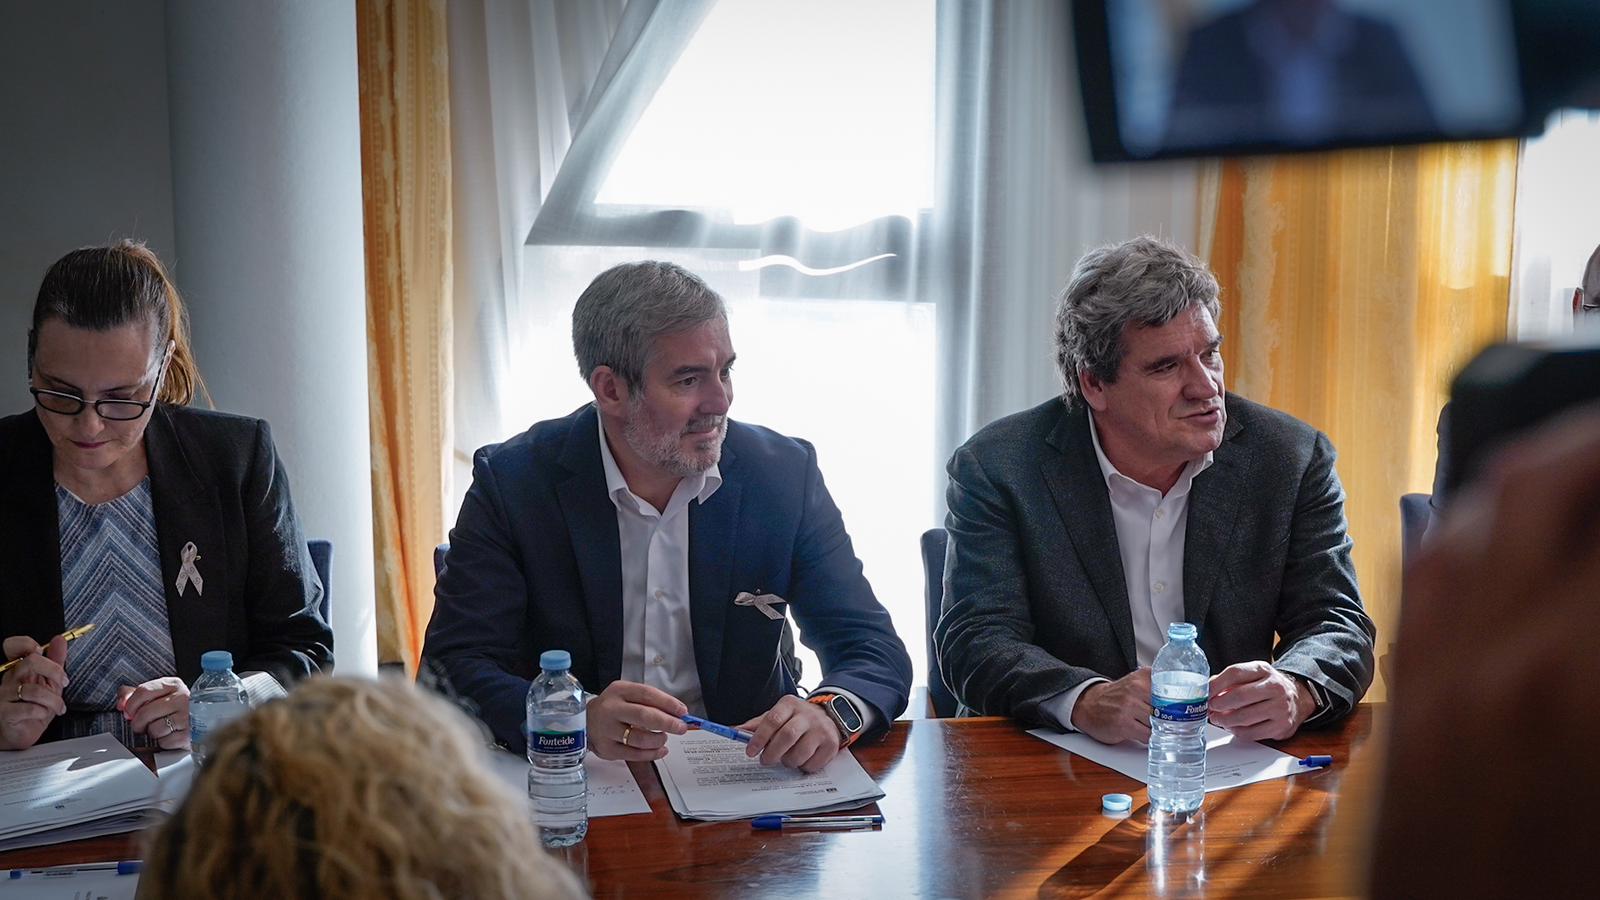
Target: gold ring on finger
(171,728)
(626,730)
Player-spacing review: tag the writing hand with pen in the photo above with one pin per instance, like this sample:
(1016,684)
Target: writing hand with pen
(31,690)
(631,721)
(33,683)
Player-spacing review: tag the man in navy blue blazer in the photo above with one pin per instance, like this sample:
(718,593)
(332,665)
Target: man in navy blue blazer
(662,545)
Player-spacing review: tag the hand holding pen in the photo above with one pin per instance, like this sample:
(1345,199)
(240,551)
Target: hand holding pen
(24,646)
(31,688)
(630,721)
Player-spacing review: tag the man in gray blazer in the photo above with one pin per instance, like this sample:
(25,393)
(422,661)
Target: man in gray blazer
(1146,495)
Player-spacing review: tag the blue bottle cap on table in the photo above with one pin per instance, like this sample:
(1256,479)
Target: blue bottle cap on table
(555,660)
(215,660)
(1116,803)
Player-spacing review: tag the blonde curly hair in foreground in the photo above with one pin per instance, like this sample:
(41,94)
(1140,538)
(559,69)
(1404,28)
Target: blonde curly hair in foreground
(351,788)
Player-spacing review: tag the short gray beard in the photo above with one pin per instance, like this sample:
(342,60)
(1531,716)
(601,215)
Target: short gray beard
(663,449)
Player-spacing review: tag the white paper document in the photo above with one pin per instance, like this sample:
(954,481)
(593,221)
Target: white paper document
(709,777)
(175,770)
(1229,762)
(68,790)
(612,790)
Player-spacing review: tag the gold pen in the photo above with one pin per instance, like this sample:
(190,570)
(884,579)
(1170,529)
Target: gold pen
(69,636)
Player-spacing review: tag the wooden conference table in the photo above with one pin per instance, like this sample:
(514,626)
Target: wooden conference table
(975,808)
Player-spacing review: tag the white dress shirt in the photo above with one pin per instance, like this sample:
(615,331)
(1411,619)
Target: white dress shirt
(657,641)
(1150,535)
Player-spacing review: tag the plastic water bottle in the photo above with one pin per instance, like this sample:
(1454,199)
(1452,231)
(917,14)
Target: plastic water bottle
(556,742)
(217,698)
(1180,693)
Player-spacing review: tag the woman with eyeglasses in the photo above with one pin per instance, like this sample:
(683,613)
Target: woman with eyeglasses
(168,528)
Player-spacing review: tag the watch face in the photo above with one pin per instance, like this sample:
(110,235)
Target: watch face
(846,713)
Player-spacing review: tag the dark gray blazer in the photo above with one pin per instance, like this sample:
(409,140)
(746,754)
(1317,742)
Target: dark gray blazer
(1034,596)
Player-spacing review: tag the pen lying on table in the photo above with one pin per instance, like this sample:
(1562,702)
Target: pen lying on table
(772,823)
(68,636)
(126,867)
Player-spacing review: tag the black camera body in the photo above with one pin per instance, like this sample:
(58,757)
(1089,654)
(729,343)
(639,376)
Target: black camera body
(1509,388)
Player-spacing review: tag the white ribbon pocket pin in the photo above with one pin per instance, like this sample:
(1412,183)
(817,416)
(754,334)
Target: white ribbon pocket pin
(188,573)
(760,601)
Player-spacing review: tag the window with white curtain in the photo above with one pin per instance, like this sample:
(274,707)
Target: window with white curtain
(787,158)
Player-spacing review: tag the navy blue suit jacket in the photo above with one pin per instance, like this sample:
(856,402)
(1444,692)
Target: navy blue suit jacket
(535,564)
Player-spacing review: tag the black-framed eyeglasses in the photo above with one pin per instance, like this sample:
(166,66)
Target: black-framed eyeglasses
(64,404)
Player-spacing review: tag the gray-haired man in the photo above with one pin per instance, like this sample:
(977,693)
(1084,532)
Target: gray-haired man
(662,544)
(1146,495)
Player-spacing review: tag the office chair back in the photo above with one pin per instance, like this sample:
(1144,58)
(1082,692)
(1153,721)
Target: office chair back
(322,561)
(934,541)
(1416,510)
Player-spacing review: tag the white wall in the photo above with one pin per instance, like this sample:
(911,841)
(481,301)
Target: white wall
(83,148)
(225,135)
(266,162)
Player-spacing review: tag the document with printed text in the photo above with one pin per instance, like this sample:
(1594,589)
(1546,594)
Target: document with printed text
(68,790)
(710,777)
(612,790)
(1229,762)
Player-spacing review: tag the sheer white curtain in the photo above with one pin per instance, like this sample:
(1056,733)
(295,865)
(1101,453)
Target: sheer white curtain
(888,194)
(1556,226)
(1018,202)
(798,191)
(524,77)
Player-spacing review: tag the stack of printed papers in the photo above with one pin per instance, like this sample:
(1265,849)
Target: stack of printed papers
(70,790)
(709,777)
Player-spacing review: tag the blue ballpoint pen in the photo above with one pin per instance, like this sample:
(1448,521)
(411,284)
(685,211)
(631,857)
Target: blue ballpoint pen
(125,867)
(732,734)
(1316,762)
(773,823)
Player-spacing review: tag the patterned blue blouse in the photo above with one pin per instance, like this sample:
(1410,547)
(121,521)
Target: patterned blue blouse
(111,576)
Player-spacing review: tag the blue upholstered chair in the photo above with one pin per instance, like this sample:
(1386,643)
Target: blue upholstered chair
(1416,510)
(934,541)
(322,561)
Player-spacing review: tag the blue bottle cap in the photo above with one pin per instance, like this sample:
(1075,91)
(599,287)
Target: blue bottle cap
(1181,631)
(216,661)
(1116,803)
(555,660)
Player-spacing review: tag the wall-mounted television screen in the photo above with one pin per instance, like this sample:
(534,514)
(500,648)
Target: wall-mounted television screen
(1165,78)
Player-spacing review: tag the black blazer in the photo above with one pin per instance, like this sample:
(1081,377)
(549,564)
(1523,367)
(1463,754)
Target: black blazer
(1035,601)
(535,564)
(215,480)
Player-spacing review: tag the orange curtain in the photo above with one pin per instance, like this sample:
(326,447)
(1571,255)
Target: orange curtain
(405,173)
(1354,284)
